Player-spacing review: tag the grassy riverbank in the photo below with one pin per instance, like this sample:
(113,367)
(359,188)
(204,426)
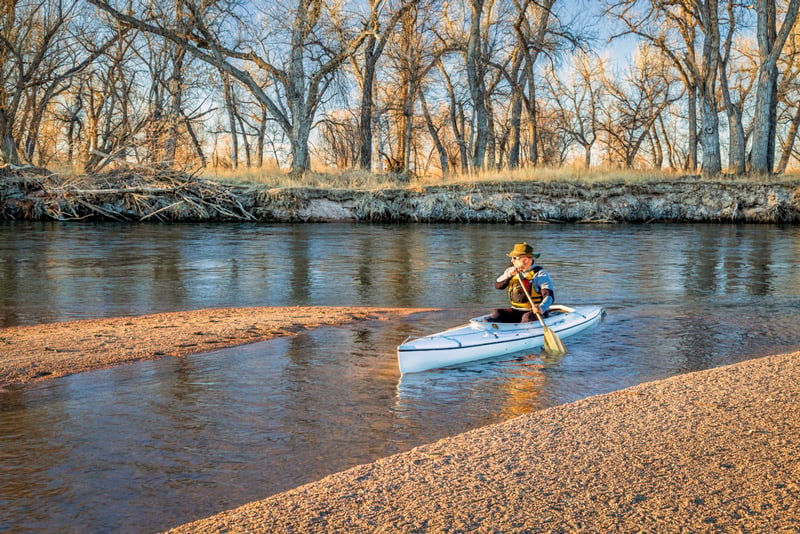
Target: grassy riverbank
(360,180)
(522,197)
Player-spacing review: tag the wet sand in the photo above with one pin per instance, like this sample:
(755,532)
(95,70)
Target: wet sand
(32,353)
(712,451)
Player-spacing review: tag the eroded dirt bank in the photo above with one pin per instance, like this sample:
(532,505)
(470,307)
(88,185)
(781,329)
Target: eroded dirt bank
(712,451)
(123,196)
(30,353)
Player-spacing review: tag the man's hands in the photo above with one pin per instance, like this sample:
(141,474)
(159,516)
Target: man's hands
(508,274)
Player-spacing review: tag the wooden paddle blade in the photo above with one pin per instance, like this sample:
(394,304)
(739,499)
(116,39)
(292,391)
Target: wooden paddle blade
(552,343)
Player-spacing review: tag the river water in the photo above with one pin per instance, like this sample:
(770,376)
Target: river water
(146,446)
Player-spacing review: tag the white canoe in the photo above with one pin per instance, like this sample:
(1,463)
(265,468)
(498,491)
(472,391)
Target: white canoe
(484,339)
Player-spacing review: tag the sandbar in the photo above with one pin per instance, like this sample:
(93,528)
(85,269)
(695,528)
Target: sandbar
(44,351)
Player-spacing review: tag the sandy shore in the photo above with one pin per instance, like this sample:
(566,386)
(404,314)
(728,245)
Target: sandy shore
(31,353)
(712,451)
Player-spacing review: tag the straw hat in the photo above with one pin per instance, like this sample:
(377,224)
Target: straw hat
(522,249)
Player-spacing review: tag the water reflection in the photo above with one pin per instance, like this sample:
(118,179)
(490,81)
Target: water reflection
(80,271)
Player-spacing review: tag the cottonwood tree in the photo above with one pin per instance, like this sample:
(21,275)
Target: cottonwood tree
(688,33)
(112,119)
(531,28)
(286,55)
(170,90)
(577,97)
(771,40)
(456,103)
(43,45)
(475,61)
(789,96)
(381,24)
(411,54)
(735,83)
(435,127)
(634,104)
(476,30)
(541,29)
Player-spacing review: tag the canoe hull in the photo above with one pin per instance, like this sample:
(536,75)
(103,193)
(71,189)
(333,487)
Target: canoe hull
(480,339)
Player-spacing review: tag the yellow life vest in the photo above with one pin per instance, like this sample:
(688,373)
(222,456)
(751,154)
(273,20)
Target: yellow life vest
(516,295)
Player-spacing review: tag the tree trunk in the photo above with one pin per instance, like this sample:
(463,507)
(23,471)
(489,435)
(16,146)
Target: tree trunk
(788,145)
(709,137)
(658,150)
(434,133)
(176,105)
(770,44)
(691,163)
(477,85)
(534,134)
(229,107)
(491,140)
(9,150)
(736,153)
(515,132)
(458,130)
(367,104)
(666,141)
(408,118)
(261,137)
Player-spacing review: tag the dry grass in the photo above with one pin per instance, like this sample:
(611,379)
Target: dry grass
(361,180)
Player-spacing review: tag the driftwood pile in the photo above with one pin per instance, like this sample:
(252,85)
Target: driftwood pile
(128,196)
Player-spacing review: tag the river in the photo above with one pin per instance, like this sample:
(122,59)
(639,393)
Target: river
(150,445)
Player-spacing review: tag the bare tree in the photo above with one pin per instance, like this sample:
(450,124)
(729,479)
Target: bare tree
(40,52)
(789,96)
(770,44)
(634,105)
(434,127)
(379,33)
(673,26)
(531,28)
(339,139)
(735,86)
(577,99)
(111,121)
(457,117)
(475,62)
(412,53)
(218,34)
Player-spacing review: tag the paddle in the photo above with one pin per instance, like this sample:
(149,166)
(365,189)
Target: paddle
(552,344)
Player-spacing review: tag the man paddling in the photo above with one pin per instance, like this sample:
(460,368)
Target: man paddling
(538,286)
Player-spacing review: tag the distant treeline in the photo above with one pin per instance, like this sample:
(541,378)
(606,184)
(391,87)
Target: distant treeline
(411,87)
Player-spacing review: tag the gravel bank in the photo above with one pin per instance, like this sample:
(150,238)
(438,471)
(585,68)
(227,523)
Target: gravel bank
(712,451)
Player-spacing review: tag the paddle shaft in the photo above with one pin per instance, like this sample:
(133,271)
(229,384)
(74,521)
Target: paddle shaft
(551,341)
(528,295)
